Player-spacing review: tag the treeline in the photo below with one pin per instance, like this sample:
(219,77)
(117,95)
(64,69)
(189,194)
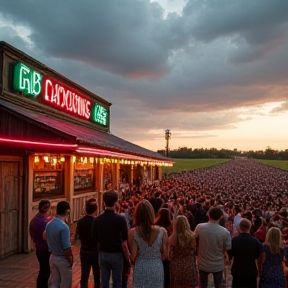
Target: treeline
(189,153)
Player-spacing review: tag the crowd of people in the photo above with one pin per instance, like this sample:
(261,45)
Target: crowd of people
(177,231)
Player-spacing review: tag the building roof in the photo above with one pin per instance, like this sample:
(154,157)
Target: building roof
(87,138)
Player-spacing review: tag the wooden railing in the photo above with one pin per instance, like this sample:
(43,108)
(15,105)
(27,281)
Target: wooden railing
(79,201)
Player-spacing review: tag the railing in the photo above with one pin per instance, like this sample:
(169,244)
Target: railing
(79,201)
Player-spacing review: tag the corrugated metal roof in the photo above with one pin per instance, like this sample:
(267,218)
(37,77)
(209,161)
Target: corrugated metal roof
(86,135)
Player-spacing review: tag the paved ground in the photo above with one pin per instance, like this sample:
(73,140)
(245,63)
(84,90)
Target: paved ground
(21,270)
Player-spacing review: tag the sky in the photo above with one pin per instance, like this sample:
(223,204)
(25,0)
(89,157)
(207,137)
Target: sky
(214,72)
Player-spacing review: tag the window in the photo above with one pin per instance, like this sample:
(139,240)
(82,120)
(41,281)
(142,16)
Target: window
(48,184)
(84,174)
(48,176)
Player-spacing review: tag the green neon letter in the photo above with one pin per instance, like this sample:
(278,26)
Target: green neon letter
(99,115)
(27,80)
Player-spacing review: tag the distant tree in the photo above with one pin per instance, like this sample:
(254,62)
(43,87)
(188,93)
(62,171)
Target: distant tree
(199,153)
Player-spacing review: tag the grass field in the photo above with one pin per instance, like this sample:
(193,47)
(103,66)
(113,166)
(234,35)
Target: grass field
(192,164)
(275,163)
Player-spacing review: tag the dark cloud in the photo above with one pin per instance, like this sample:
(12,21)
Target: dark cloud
(157,70)
(113,35)
(256,21)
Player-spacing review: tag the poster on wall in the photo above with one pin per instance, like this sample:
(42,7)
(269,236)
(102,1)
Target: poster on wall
(83,179)
(107,176)
(47,184)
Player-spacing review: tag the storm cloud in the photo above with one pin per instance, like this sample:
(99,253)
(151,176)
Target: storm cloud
(160,69)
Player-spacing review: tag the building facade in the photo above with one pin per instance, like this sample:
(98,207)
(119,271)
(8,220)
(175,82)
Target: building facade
(55,143)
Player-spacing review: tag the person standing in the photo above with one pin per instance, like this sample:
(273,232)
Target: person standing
(89,248)
(236,211)
(36,228)
(182,247)
(57,234)
(273,260)
(149,247)
(126,264)
(164,219)
(214,240)
(110,231)
(245,250)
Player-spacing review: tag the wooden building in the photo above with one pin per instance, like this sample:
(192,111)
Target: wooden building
(55,143)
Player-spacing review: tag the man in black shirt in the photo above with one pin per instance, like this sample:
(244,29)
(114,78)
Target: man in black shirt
(156,202)
(89,248)
(246,249)
(111,232)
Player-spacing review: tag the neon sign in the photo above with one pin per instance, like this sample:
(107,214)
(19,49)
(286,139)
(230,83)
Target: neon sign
(61,96)
(57,94)
(99,114)
(27,80)
(24,142)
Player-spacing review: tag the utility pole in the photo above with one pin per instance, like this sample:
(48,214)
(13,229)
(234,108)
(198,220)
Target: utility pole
(167,137)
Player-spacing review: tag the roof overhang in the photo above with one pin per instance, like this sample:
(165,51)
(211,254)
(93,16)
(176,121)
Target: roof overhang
(86,140)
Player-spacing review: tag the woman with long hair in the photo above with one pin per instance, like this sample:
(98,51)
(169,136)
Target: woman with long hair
(149,246)
(164,219)
(272,260)
(182,247)
(260,234)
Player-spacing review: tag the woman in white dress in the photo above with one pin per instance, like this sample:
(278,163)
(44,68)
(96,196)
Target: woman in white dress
(149,246)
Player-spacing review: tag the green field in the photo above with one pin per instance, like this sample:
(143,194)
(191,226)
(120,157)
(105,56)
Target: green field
(275,163)
(192,164)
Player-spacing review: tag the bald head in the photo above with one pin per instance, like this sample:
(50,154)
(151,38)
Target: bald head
(245,226)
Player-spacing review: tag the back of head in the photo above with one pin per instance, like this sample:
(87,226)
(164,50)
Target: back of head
(43,203)
(273,238)
(110,198)
(237,208)
(283,212)
(144,217)
(182,225)
(183,231)
(198,205)
(245,225)
(62,207)
(215,213)
(257,213)
(91,206)
(164,217)
(156,194)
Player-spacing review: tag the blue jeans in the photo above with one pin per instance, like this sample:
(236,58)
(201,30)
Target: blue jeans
(111,262)
(89,259)
(217,277)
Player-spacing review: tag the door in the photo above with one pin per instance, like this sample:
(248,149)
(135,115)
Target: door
(10,205)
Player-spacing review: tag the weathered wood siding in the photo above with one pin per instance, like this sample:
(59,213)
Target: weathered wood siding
(10,207)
